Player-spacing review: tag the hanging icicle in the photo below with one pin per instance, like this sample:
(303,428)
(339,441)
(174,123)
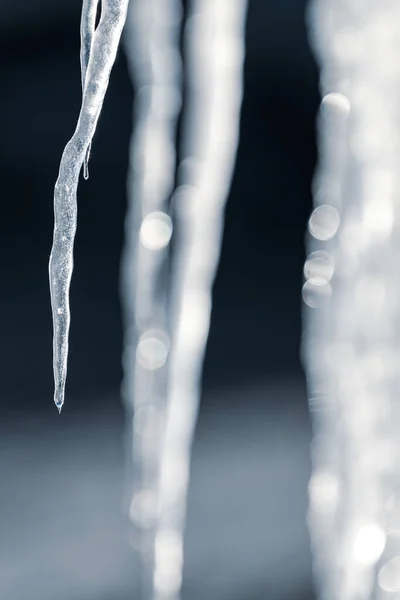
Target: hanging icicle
(165,344)
(98,56)
(214,46)
(152,48)
(352,325)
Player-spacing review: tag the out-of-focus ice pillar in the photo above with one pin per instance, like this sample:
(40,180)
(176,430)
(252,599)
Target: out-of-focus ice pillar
(214,48)
(152,47)
(351,340)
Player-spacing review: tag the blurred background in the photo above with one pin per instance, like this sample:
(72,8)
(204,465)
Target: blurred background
(62,530)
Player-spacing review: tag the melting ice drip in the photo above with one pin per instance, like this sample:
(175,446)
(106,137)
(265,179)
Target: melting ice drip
(352,293)
(166,315)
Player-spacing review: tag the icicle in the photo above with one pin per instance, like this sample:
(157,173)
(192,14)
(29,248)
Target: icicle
(88,23)
(161,453)
(352,325)
(152,47)
(215,50)
(103,50)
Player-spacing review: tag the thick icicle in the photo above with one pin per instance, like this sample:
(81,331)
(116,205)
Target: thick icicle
(152,47)
(102,55)
(352,321)
(215,50)
(88,24)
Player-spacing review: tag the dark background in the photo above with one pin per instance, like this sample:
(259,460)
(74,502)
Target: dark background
(252,372)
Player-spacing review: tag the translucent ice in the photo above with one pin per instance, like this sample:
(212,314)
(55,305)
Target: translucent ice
(98,55)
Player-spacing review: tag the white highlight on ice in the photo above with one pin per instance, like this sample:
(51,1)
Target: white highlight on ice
(99,49)
(156,231)
(152,350)
(369,544)
(324,222)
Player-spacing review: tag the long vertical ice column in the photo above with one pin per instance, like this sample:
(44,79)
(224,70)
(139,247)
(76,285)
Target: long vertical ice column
(152,47)
(214,48)
(352,320)
(104,45)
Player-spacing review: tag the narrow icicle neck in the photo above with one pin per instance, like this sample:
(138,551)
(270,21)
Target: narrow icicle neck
(88,27)
(86,165)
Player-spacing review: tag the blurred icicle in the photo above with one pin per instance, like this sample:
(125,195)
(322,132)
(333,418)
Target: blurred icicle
(103,49)
(352,292)
(162,374)
(88,23)
(152,47)
(214,45)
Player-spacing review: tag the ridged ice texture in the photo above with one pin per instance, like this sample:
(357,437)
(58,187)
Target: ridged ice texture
(352,292)
(102,52)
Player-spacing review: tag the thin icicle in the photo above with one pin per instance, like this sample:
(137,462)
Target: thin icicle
(215,49)
(88,25)
(102,55)
(152,46)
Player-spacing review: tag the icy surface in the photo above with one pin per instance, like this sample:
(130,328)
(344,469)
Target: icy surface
(214,46)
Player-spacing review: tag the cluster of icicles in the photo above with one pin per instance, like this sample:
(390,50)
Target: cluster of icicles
(352,325)
(166,296)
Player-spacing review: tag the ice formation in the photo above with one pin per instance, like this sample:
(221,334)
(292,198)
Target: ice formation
(166,295)
(167,316)
(152,48)
(99,49)
(352,293)
(215,49)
